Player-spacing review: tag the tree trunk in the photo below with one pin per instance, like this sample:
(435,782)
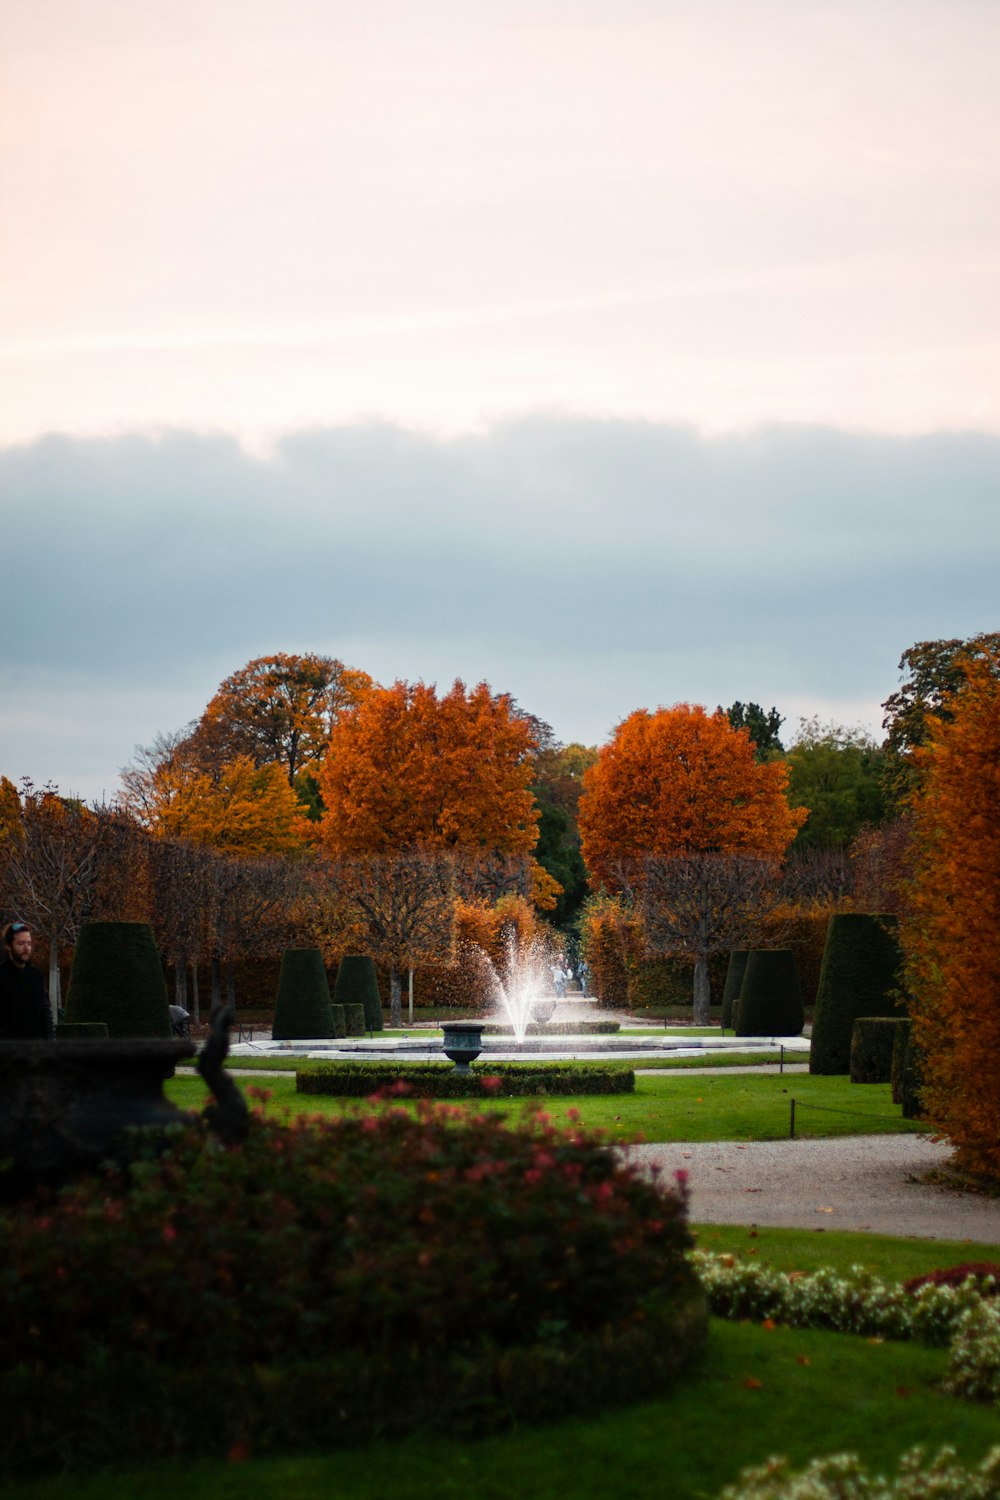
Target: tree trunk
(231,986)
(55,994)
(410,987)
(195,997)
(180,983)
(395,997)
(216,982)
(702,991)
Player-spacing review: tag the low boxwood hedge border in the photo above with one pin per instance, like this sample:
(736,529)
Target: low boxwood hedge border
(502,1080)
(556,1028)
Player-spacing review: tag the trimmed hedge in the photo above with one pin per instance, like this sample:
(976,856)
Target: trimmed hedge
(553,1279)
(302,1007)
(770,996)
(499,1080)
(734,980)
(357,984)
(899,1043)
(911,1078)
(81,1031)
(556,1028)
(117,978)
(872,1044)
(354,1019)
(859,976)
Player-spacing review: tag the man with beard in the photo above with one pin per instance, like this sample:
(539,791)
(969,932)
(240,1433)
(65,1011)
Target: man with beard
(24,1005)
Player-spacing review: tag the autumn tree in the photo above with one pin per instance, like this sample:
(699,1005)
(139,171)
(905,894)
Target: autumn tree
(405,767)
(399,907)
(681,781)
(951,936)
(278,710)
(931,672)
(243,810)
(698,904)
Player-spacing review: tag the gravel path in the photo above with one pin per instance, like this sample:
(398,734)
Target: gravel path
(849,1182)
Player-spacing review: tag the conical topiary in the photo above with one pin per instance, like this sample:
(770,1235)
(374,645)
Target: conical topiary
(873,1041)
(770,996)
(117,978)
(357,984)
(302,1008)
(858,977)
(734,980)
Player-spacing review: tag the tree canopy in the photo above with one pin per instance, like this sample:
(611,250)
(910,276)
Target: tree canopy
(837,773)
(405,767)
(932,673)
(679,780)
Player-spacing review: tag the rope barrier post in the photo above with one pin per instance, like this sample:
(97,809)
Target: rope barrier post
(781,1064)
(791,1122)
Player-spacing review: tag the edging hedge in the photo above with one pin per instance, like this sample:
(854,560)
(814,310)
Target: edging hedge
(556,1028)
(352,1080)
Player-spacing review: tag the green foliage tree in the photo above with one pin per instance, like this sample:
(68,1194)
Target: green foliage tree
(763,728)
(837,773)
(770,995)
(117,977)
(932,673)
(302,1008)
(859,977)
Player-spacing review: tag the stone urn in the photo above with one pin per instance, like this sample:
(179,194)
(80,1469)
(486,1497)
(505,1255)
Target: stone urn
(542,1011)
(64,1104)
(463,1042)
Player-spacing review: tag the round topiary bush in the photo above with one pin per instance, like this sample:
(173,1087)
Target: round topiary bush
(117,978)
(770,995)
(858,977)
(302,1008)
(734,980)
(872,1044)
(357,984)
(553,1280)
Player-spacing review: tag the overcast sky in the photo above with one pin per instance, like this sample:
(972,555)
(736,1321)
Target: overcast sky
(616,351)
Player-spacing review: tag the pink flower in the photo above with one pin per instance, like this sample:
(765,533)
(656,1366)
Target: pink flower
(169,1233)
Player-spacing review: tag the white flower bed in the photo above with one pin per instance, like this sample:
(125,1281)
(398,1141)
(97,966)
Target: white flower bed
(844,1477)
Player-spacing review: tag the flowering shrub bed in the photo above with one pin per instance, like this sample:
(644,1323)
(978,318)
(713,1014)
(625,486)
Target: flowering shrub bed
(502,1080)
(965,1316)
(334,1280)
(844,1477)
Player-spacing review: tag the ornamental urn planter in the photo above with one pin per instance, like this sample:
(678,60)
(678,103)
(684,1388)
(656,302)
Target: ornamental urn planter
(463,1042)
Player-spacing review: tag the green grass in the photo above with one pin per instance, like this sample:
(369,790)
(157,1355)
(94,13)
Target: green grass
(709,1059)
(818,1393)
(890,1258)
(746,1107)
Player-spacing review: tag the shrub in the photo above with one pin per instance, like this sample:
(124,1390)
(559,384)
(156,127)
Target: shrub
(404,1272)
(354,1020)
(859,976)
(117,978)
(911,1078)
(302,1007)
(339,1020)
(81,1031)
(899,1044)
(872,1044)
(734,979)
(770,997)
(979,1271)
(843,1475)
(357,984)
(504,1080)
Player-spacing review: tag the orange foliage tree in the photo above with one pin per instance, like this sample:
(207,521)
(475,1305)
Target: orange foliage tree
(951,934)
(681,780)
(244,810)
(406,767)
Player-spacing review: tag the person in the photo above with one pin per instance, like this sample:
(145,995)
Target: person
(24,1004)
(179,1019)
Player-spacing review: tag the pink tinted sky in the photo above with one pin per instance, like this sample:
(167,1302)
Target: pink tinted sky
(259,216)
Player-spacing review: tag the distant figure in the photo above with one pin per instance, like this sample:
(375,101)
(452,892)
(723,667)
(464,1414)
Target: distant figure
(583,974)
(179,1018)
(559,978)
(24,1004)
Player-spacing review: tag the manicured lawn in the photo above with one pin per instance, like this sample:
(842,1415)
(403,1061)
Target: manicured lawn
(745,1107)
(811,1393)
(809,1249)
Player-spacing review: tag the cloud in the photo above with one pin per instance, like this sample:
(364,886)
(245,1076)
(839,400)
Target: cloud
(587,566)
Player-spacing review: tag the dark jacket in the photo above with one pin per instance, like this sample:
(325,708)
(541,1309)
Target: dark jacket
(24,1004)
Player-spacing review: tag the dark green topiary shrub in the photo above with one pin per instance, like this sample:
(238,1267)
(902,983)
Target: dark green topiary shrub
(911,1079)
(117,978)
(82,1031)
(354,1020)
(339,1020)
(899,1042)
(872,1043)
(302,1008)
(734,980)
(858,977)
(357,984)
(770,995)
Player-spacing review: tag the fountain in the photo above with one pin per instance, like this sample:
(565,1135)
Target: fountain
(525,993)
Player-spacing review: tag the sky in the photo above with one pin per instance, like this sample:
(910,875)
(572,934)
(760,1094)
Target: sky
(619,352)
